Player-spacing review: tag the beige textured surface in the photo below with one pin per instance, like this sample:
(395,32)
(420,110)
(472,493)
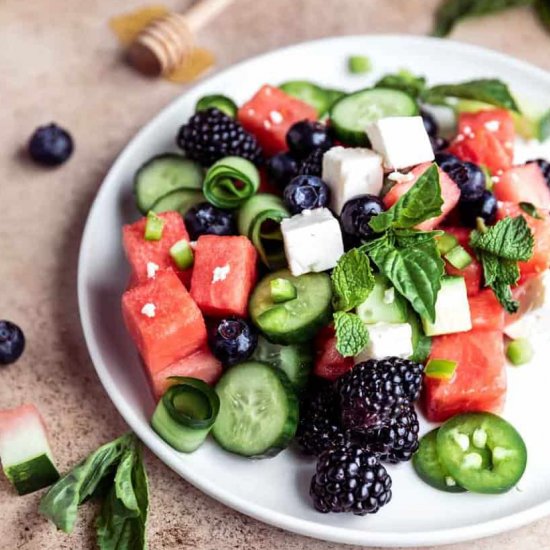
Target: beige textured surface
(59,62)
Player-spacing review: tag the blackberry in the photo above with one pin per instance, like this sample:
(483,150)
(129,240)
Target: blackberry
(313,164)
(211,135)
(319,428)
(377,390)
(395,441)
(350,479)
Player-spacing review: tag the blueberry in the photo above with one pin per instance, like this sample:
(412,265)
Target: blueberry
(544,165)
(232,340)
(355,218)
(50,145)
(206,219)
(305,136)
(485,208)
(306,193)
(12,342)
(439,143)
(432,128)
(281,169)
(468,176)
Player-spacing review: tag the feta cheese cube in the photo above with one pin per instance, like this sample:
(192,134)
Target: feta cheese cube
(387,339)
(350,172)
(402,141)
(312,240)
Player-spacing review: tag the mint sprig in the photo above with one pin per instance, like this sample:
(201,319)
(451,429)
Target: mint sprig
(351,334)
(499,249)
(352,280)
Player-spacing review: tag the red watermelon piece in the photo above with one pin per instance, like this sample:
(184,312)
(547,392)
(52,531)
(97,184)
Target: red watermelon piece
(449,191)
(329,364)
(473,273)
(201,364)
(170,330)
(141,252)
(269,115)
(486,311)
(540,261)
(224,275)
(523,184)
(479,382)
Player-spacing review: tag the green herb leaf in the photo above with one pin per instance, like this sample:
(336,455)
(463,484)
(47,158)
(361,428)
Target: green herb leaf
(544,122)
(421,202)
(542,8)
(403,81)
(352,280)
(413,265)
(351,334)
(491,91)
(60,503)
(530,209)
(451,12)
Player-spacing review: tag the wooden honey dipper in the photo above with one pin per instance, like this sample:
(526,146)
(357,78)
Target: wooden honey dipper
(163,44)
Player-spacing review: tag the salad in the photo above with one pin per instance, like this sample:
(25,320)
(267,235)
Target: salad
(316,268)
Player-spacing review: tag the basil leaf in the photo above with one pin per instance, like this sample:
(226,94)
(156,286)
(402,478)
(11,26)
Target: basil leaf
(542,8)
(451,12)
(544,122)
(491,91)
(403,81)
(351,334)
(352,280)
(530,209)
(421,202)
(414,268)
(60,503)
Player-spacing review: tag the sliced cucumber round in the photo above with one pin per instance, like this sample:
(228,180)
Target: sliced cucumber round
(296,320)
(221,102)
(180,200)
(351,114)
(163,174)
(258,410)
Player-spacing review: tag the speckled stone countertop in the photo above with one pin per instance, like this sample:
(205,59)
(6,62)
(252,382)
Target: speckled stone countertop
(59,61)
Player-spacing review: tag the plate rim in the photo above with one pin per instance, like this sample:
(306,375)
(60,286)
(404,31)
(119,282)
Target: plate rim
(158,447)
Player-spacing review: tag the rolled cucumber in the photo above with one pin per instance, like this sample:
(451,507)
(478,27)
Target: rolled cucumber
(258,410)
(25,453)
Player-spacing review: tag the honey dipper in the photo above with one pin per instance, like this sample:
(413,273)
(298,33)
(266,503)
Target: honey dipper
(163,44)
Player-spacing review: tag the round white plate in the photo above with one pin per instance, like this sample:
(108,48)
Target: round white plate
(276,490)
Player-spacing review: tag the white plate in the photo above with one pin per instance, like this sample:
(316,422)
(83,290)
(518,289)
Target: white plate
(276,491)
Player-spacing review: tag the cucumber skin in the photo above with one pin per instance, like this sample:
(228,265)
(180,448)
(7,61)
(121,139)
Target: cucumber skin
(291,424)
(32,475)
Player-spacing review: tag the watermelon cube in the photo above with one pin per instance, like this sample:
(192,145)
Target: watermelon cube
(147,257)
(486,312)
(201,364)
(224,275)
(163,320)
(449,191)
(479,382)
(270,114)
(524,184)
(329,363)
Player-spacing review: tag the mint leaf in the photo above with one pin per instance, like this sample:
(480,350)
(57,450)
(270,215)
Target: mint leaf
(491,91)
(421,202)
(451,12)
(413,265)
(352,280)
(351,334)
(403,81)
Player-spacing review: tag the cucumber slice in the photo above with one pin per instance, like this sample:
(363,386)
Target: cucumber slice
(383,305)
(350,115)
(430,469)
(258,410)
(217,101)
(163,174)
(180,200)
(458,257)
(295,360)
(297,320)
(462,443)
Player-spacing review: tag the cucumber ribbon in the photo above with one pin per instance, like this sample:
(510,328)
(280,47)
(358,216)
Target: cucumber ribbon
(230,182)
(186,413)
(259,220)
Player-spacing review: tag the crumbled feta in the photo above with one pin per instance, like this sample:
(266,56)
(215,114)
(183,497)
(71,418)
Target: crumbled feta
(267,124)
(152,269)
(387,339)
(276,117)
(492,125)
(312,240)
(402,141)
(350,172)
(193,244)
(220,273)
(399,177)
(149,310)
(468,132)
